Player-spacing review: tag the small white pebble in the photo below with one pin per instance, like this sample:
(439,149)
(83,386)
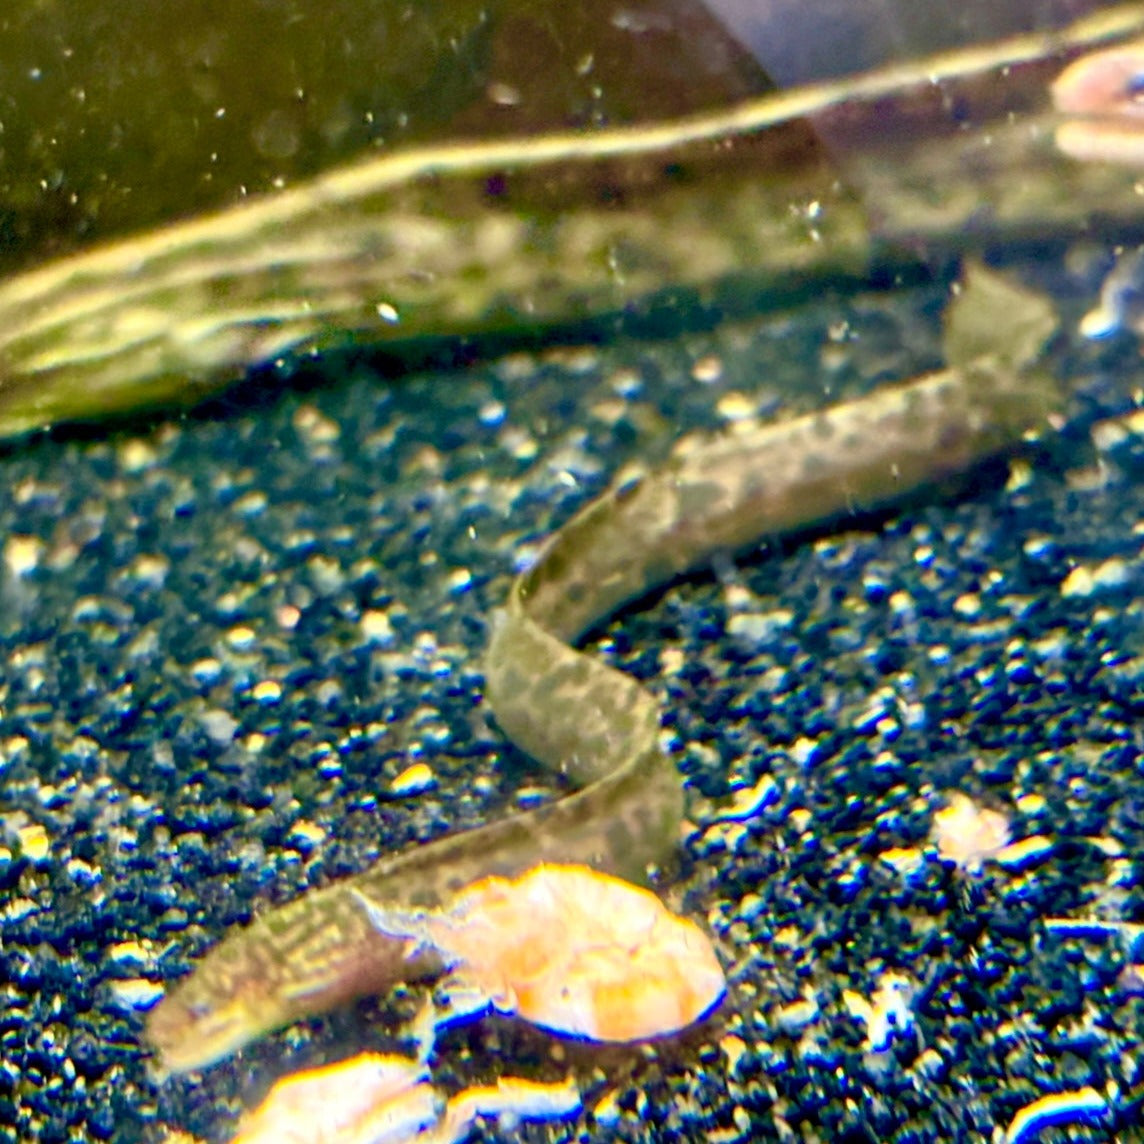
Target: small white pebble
(746,802)
(707,369)
(1112,573)
(19,908)
(206,670)
(607,1111)
(306,834)
(515,367)
(266,691)
(736,407)
(251,504)
(492,413)
(518,443)
(1024,853)
(136,455)
(1084,1106)
(129,954)
(610,411)
(1031,804)
(804,750)
(901,602)
(413,780)
(22,554)
(330,767)
(219,725)
(733,1049)
(575,359)
(326,574)
(1020,475)
(1078,582)
(1084,580)
(134,993)
(967,605)
(887,1012)
(797,1015)
(315,426)
(1100,323)
(1107,435)
(626,382)
(530,796)
(241,638)
(288,616)
(906,860)
(376,628)
(757,627)
(150,570)
(967,833)
(460,581)
(83,873)
(34,842)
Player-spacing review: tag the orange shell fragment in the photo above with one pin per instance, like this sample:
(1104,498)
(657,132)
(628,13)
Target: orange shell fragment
(580,953)
(373,1099)
(363,1100)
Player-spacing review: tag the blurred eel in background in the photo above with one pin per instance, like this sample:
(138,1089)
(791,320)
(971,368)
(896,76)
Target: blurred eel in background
(632,165)
(1102,94)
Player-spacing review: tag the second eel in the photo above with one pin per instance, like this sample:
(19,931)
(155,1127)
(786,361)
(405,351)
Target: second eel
(599,727)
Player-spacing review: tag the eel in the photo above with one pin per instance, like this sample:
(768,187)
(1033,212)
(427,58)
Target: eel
(600,727)
(515,234)
(1100,96)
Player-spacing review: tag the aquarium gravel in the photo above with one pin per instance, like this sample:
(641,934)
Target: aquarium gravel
(242,659)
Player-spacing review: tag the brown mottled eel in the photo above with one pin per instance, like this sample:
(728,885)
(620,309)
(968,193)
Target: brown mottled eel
(602,728)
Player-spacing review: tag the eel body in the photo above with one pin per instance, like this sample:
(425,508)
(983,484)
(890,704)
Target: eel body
(595,724)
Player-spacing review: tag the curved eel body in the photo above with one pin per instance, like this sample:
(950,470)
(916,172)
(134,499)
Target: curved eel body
(598,726)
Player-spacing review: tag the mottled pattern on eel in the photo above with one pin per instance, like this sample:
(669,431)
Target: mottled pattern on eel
(598,726)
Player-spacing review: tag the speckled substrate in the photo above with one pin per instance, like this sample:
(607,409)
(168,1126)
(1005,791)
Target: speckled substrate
(226,637)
